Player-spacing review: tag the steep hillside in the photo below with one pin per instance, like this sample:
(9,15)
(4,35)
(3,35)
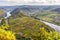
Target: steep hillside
(25,21)
(20,24)
(28,27)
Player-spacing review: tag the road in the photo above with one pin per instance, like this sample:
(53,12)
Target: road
(56,27)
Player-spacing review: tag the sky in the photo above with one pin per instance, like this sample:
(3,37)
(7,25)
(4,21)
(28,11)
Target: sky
(29,2)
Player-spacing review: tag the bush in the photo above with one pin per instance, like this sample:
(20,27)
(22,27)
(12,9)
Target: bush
(44,35)
(6,35)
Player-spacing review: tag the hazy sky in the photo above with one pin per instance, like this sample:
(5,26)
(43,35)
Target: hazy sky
(33,2)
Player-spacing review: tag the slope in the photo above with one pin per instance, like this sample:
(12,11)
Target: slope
(30,28)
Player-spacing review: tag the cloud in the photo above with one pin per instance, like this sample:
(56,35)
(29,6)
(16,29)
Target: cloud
(29,2)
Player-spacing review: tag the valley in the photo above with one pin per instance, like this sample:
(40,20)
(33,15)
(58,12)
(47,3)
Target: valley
(25,22)
(48,16)
(27,27)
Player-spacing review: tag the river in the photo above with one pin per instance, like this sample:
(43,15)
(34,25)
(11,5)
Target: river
(56,27)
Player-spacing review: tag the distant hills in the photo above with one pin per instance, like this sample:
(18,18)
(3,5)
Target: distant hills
(46,13)
(31,8)
(56,10)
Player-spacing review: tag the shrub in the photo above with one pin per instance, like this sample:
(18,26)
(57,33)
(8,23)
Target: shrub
(6,35)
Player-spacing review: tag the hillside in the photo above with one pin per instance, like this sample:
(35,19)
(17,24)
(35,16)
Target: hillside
(49,16)
(56,10)
(24,20)
(28,28)
(47,13)
(24,23)
(27,23)
(1,13)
